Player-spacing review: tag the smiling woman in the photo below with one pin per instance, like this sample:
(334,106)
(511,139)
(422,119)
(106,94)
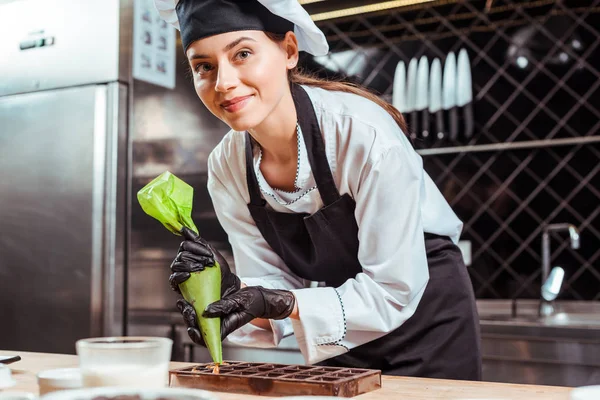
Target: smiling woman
(241,77)
(317,181)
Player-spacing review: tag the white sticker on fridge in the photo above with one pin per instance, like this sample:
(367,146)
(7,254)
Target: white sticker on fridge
(154,43)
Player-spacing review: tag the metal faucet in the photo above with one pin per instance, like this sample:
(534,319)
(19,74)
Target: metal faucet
(552,281)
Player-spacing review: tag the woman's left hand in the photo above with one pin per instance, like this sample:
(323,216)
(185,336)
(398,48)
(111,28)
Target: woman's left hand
(241,307)
(194,255)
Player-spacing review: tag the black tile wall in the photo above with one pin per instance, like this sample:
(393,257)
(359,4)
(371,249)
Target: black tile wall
(505,198)
(504,195)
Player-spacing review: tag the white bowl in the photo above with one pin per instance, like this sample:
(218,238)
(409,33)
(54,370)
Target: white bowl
(586,393)
(6,379)
(108,393)
(52,380)
(17,395)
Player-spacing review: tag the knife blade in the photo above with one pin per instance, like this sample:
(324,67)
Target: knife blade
(399,90)
(411,83)
(435,97)
(449,90)
(422,95)
(464,94)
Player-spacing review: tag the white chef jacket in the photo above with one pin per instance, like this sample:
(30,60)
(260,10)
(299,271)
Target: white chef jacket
(396,202)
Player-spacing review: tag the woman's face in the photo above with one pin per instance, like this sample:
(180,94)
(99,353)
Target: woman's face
(242,76)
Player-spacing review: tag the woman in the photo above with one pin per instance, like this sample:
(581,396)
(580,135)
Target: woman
(316,182)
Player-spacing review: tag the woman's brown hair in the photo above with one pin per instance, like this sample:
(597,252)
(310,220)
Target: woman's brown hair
(298,77)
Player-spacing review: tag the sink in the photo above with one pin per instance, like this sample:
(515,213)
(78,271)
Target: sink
(558,319)
(508,318)
(573,319)
(562,349)
(567,314)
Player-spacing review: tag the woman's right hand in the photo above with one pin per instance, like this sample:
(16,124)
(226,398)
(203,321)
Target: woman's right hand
(195,254)
(191,321)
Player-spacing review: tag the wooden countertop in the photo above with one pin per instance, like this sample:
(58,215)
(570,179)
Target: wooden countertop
(25,372)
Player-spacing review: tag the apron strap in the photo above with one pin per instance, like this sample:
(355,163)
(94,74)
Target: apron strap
(251,181)
(315,146)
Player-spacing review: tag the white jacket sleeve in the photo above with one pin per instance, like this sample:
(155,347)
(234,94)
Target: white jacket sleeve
(256,263)
(392,255)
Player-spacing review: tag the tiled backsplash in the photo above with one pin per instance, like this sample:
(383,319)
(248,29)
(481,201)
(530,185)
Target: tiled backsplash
(504,198)
(539,123)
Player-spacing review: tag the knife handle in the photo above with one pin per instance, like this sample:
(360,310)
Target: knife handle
(414,123)
(425,132)
(453,124)
(469,120)
(439,125)
(9,359)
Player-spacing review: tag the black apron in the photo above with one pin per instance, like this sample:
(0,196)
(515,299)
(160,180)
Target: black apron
(441,339)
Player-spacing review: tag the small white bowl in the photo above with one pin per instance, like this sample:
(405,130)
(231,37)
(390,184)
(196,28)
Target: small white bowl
(144,393)
(6,379)
(586,393)
(17,396)
(53,380)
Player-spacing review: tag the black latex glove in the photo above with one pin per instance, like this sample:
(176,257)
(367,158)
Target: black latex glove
(191,320)
(194,255)
(241,307)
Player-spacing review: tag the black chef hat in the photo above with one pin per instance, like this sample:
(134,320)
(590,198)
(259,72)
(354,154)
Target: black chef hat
(200,19)
(197,19)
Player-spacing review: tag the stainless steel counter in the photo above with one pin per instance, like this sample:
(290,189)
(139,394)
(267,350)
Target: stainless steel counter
(561,349)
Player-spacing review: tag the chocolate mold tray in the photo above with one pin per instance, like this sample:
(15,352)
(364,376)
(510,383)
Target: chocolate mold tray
(278,379)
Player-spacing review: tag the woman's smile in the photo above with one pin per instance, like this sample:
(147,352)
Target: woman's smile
(236,104)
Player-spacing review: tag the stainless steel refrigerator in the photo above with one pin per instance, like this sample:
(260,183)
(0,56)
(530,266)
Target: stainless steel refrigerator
(79,135)
(63,172)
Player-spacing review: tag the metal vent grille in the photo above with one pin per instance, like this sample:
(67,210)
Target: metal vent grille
(535,157)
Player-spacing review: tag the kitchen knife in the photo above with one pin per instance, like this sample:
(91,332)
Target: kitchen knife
(449,93)
(411,84)
(422,95)
(435,98)
(9,359)
(399,90)
(464,93)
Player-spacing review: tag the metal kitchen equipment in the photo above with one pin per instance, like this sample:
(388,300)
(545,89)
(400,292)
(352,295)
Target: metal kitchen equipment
(573,236)
(550,291)
(63,157)
(411,96)
(422,96)
(449,94)
(399,91)
(435,98)
(278,379)
(78,136)
(552,280)
(464,93)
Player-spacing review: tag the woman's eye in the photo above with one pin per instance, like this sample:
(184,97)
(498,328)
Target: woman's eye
(203,68)
(242,55)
